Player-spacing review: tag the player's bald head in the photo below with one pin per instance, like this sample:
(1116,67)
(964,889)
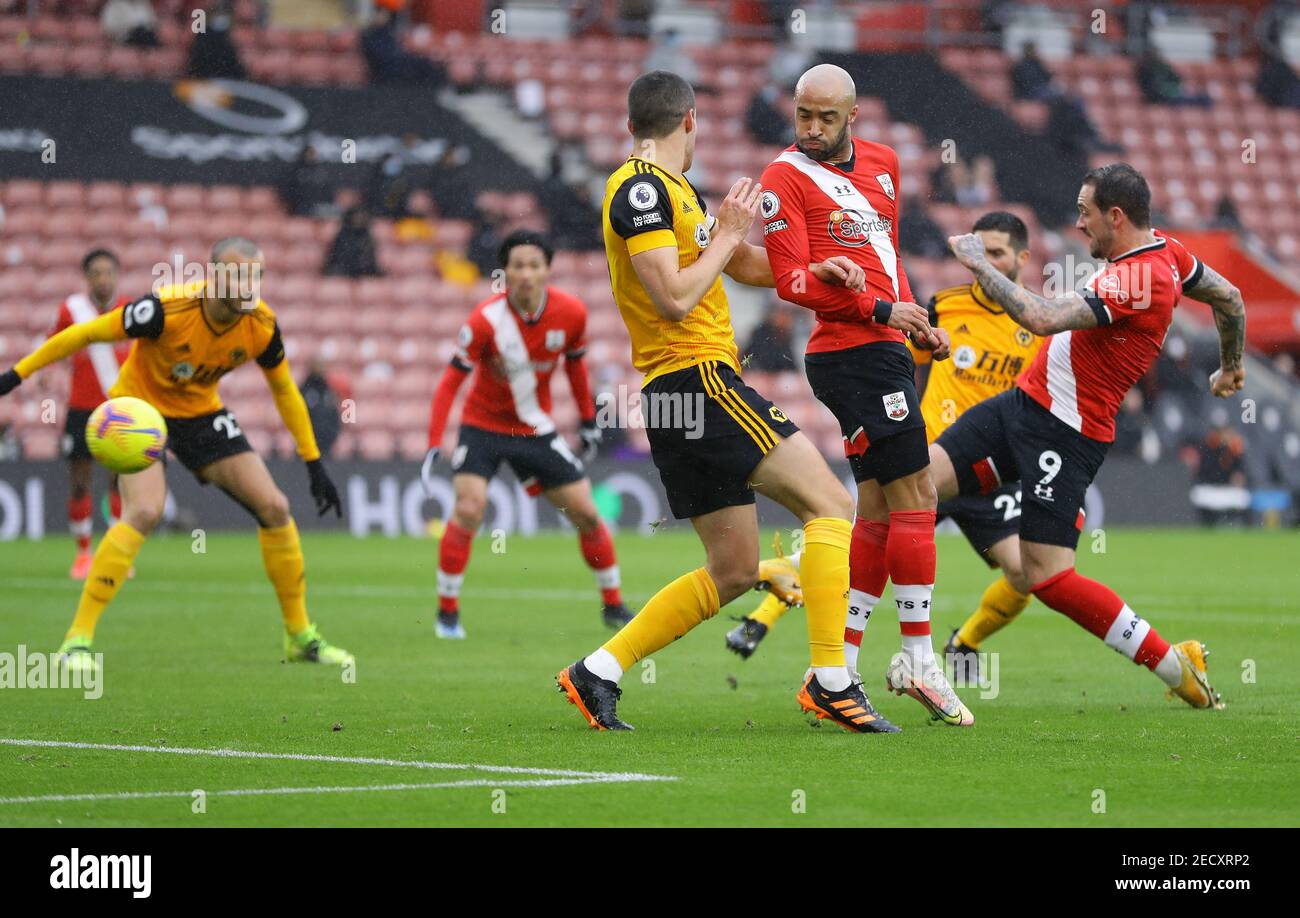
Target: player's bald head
(235,248)
(825,106)
(826,85)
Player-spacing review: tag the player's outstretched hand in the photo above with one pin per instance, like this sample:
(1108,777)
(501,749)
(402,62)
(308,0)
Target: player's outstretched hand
(841,271)
(937,342)
(968,248)
(9,381)
(1227,382)
(323,490)
(426,468)
(910,319)
(739,208)
(591,436)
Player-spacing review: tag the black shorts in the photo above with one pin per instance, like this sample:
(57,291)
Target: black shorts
(1010,437)
(74,435)
(871,390)
(540,463)
(200,441)
(985,519)
(707,431)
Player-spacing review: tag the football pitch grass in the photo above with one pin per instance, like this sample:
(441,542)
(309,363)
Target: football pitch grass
(449,733)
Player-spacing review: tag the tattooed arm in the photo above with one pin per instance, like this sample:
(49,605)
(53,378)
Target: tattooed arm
(1230,317)
(1040,315)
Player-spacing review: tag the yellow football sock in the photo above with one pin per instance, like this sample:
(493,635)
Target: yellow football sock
(769,611)
(282,557)
(113,558)
(998,608)
(824,572)
(670,613)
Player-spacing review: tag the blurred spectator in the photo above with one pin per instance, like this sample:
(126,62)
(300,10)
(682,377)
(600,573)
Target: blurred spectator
(307,189)
(484,249)
(970,185)
(212,52)
(452,193)
(11,447)
(1072,132)
(1134,434)
(1284,363)
(1220,477)
(394,178)
(1226,216)
(669,53)
(322,406)
(352,254)
(388,62)
(634,16)
(771,345)
(1161,84)
(1277,83)
(130,22)
(917,233)
(1030,79)
(766,123)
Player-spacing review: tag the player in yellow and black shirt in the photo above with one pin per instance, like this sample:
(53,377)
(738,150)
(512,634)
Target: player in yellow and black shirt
(989,349)
(713,438)
(186,338)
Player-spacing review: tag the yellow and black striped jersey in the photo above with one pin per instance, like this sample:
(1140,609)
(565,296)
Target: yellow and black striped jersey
(988,352)
(647,207)
(179,357)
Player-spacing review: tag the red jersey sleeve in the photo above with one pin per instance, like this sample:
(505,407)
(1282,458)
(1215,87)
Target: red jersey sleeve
(1189,266)
(63,321)
(470,342)
(785,236)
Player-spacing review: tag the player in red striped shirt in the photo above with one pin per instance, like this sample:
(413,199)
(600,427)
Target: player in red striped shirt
(1052,431)
(94,370)
(833,194)
(512,343)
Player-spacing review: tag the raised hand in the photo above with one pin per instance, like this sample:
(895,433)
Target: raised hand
(968,248)
(739,208)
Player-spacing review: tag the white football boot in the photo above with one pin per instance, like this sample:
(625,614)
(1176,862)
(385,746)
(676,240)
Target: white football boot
(930,687)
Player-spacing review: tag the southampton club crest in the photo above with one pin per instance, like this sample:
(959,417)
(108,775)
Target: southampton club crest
(554,339)
(887,183)
(896,406)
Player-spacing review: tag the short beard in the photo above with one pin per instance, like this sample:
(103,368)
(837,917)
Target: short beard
(834,151)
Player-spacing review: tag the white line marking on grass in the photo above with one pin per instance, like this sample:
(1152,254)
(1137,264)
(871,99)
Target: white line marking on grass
(278,791)
(589,776)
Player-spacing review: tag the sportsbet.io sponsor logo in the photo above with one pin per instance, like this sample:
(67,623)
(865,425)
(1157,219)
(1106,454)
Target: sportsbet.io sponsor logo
(103,871)
(850,228)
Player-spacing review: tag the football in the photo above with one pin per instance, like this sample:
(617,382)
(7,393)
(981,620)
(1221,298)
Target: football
(126,434)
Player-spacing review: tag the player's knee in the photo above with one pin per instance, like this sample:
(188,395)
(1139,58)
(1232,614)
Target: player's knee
(273,512)
(1015,574)
(1035,571)
(585,520)
(469,511)
(732,578)
(143,519)
(831,501)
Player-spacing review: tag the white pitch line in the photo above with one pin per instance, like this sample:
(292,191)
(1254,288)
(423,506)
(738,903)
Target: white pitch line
(278,791)
(603,776)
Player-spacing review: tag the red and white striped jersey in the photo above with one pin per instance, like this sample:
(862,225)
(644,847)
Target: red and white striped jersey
(94,368)
(513,358)
(1081,376)
(812,211)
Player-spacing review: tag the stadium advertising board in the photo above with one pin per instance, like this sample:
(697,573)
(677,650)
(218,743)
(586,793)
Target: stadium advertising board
(387,499)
